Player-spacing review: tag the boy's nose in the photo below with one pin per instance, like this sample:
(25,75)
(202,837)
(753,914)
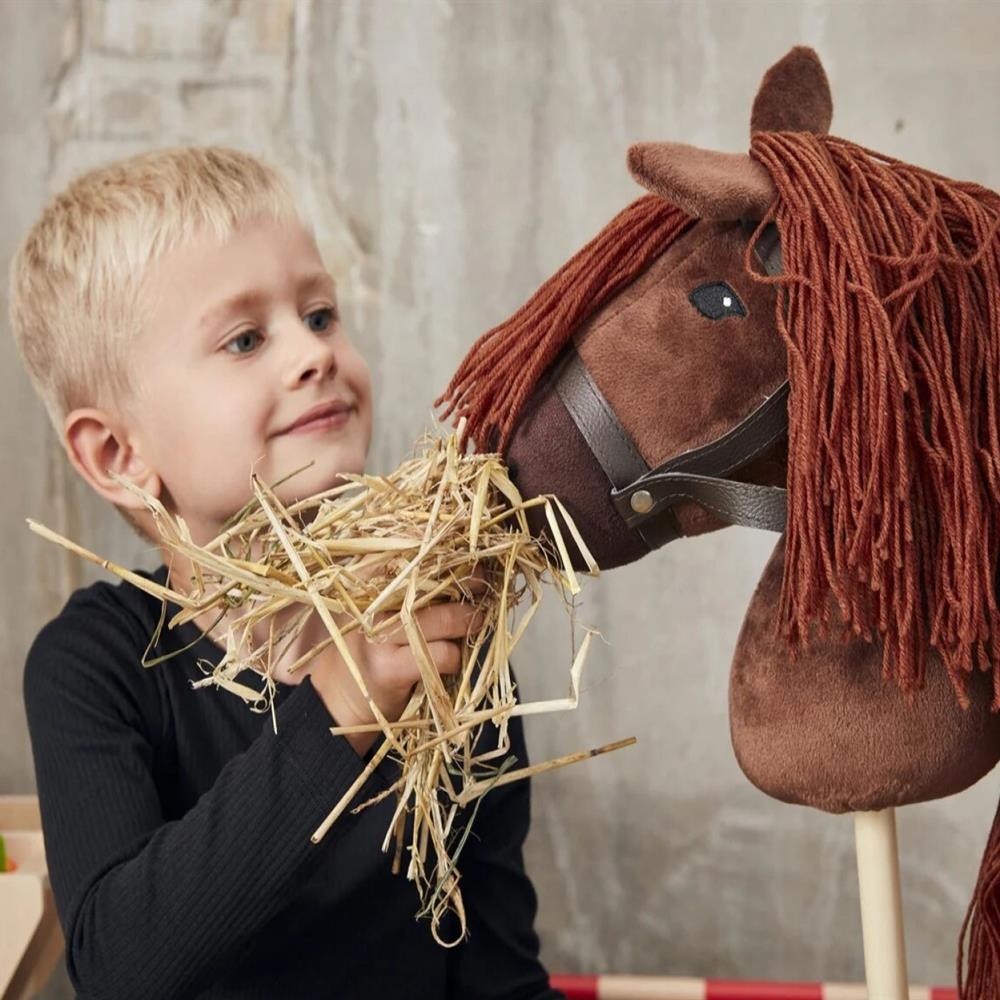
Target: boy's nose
(312,358)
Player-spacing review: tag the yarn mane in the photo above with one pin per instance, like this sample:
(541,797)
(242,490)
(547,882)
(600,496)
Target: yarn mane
(888,304)
(503,367)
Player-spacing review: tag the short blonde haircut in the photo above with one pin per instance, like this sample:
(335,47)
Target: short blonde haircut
(76,281)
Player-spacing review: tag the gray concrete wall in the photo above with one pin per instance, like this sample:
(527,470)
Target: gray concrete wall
(452,155)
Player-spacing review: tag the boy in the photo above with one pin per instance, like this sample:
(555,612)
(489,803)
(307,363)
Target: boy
(176,319)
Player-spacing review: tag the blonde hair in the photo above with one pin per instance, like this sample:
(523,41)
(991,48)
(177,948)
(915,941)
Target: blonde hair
(75,282)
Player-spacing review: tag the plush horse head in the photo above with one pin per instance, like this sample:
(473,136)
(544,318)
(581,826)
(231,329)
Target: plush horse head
(805,338)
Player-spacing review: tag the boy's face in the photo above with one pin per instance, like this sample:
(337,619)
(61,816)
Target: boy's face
(242,366)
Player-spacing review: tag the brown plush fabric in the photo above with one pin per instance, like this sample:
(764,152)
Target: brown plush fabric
(702,182)
(794,96)
(824,730)
(676,379)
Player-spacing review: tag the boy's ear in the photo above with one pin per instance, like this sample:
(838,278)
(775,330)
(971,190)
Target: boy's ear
(99,444)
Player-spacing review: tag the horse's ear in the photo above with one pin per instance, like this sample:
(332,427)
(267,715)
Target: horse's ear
(794,96)
(705,184)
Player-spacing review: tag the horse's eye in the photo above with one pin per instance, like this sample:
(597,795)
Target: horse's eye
(717,300)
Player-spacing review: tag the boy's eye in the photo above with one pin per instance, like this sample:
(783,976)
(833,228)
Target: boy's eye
(320,320)
(244,343)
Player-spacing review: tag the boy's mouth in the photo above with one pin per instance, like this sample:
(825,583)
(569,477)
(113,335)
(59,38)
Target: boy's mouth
(325,416)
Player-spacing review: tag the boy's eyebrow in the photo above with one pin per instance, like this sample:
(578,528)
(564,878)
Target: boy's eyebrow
(251,299)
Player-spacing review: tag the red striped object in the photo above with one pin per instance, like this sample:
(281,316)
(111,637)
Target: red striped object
(678,988)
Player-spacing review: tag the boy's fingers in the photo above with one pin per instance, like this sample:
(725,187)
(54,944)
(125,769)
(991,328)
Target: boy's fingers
(475,583)
(448,621)
(454,620)
(446,654)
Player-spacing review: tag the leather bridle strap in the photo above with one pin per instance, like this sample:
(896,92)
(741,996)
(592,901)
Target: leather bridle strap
(698,475)
(642,495)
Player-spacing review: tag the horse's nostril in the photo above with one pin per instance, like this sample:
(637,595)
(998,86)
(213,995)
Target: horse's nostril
(512,470)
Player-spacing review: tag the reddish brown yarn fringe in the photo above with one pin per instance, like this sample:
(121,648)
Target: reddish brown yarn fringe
(503,367)
(979,942)
(890,308)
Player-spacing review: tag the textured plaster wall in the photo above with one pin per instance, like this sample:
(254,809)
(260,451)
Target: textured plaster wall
(451,156)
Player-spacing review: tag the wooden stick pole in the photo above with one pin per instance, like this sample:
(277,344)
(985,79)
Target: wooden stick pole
(881,904)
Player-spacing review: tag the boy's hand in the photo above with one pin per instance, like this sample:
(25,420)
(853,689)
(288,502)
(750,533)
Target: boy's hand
(388,666)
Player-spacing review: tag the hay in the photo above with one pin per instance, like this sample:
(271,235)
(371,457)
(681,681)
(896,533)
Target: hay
(368,555)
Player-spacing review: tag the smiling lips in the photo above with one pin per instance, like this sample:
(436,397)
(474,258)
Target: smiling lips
(320,418)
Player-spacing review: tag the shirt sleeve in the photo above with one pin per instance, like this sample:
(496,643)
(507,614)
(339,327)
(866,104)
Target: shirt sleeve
(499,960)
(153,908)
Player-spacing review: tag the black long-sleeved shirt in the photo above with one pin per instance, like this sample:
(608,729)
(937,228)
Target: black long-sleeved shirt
(177,829)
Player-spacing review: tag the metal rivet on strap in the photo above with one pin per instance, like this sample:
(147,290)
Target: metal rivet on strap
(641,501)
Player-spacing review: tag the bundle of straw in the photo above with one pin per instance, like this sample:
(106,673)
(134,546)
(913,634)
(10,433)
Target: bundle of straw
(368,555)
